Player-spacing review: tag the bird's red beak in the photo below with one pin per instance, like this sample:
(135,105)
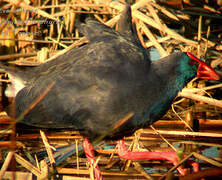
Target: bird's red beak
(204,71)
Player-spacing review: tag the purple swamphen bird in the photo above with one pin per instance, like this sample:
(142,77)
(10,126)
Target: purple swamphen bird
(97,84)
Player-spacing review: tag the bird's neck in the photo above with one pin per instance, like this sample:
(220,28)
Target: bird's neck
(170,81)
(173,73)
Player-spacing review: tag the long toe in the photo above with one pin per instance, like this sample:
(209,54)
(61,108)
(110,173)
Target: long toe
(171,156)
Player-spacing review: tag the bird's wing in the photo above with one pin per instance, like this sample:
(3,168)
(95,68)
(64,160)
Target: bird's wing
(94,30)
(86,84)
(18,76)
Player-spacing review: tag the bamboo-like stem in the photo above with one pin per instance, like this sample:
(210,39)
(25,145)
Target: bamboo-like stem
(204,158)
(185,133)
(216,62)
(156,17)
(148,21)
(72,5)
(13,56)
(139,168)
(173,168)
(51,30)
(153,39)
(48,147)
(157,132)
(44,170)
(58,42)
(159,40)
(145,11)
(204,99)
(18,175)
(77,153)
(140,4)
(200,143)
(187,125)
(194,90)
(203,174)
(199,36)
(164,11)
(31,8)
(27,165)
(6,143)
(5,132)
(6,164)
(206,43)
(86,172)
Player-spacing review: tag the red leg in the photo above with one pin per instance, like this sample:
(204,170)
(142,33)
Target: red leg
(88,149)
(125,153)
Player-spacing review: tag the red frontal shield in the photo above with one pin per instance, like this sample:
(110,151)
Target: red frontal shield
(204,71)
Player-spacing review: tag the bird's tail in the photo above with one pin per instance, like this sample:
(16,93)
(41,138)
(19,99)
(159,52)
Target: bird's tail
(18,76)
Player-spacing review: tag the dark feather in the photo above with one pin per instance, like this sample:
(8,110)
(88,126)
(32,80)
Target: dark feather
(99,83)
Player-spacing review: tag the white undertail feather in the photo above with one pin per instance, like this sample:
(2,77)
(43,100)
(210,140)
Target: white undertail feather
(16,85)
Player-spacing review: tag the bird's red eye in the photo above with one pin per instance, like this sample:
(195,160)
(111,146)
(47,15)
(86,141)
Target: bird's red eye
(193,62)
(193,59)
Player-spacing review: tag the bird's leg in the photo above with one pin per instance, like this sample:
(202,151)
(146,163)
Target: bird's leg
(125,153)
(88,149)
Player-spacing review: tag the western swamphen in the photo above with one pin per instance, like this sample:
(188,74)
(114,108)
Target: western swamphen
(94,86)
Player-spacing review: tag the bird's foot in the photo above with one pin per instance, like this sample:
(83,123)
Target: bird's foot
(88,148)
(171,156)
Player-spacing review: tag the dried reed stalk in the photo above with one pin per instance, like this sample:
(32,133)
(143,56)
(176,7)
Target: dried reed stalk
(6,163)
(13,56)
(159,40)
(153,39)
(140,4)
(199,35)
(64,177)
(204,174)
(185,133)
(164,11)
(207,122)
(173,168)
(140,169)
(17,175)
(200,143)
(48,147)
(146,20)
(194,90)
(156,17)
(44,170)
(204,99)
(27,165)
(164,139)
(204,158)
(51,30)
(6,144)
(31,8)
(86,172)
(5,132)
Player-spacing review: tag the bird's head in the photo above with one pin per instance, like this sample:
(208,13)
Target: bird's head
(203,70)
(187,67)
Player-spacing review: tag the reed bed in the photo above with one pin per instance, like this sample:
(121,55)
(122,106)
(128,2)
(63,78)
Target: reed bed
(34,32)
